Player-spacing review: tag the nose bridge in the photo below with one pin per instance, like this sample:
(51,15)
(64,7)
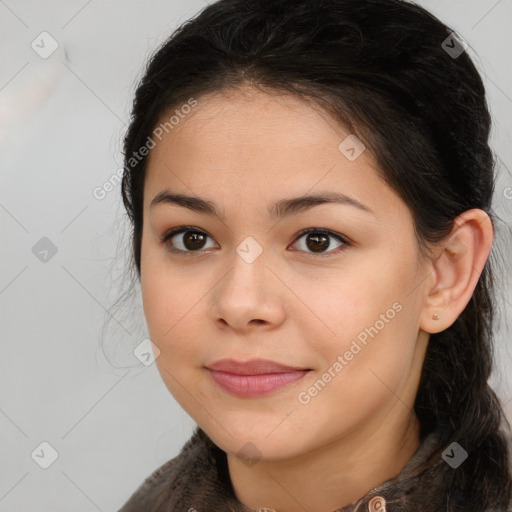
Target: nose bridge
(245,292)
(247,267)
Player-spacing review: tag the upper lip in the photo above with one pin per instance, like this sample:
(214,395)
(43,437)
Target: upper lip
(252,367)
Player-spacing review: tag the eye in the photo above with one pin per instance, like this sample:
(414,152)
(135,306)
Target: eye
(191,239)
(317,240)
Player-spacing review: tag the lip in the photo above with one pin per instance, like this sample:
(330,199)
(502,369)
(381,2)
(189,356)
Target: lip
(257,377)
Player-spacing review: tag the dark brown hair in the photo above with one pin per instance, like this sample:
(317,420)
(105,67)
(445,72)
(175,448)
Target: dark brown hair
(385,70)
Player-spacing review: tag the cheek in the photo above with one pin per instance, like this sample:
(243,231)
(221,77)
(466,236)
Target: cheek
(346,306)
(170,302)
(175,324)
(367,366)
(370,320)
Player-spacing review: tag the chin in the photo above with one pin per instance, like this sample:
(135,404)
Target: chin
(252,441)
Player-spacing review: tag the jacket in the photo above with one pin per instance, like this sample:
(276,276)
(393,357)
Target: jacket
(198,480)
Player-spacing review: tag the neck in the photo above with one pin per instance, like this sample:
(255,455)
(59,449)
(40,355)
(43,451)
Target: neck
(333,475)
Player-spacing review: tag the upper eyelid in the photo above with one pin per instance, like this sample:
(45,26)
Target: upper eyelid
(326,231)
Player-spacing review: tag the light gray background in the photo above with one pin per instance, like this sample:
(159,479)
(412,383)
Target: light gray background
(110,418)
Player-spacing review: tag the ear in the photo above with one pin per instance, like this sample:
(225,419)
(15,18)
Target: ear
(456,268)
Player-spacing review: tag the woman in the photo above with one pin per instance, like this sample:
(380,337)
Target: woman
(309,183)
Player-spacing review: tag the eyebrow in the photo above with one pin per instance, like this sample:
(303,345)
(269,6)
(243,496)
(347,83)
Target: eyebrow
(279,210)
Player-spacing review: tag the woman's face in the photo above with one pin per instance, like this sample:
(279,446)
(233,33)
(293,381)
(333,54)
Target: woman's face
(246,284)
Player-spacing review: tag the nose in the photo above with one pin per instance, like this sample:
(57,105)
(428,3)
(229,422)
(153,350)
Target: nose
(249,295)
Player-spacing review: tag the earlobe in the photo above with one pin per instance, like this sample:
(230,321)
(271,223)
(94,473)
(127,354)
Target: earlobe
(457,268)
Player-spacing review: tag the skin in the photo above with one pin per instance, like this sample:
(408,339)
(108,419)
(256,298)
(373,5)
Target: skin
(245,150)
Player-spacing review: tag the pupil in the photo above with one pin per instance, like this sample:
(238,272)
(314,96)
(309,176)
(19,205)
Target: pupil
(318,242)
(197,240)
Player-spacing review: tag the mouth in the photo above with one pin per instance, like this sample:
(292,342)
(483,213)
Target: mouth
(257,377)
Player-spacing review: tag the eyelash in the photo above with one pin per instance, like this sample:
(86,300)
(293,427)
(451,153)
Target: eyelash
(184,229)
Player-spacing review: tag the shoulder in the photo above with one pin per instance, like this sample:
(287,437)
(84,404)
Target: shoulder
(167,483)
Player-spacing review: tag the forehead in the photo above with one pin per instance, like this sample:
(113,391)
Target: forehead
(243,143)
(249,119)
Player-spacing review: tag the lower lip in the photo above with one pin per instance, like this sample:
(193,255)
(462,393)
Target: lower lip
(255,385)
